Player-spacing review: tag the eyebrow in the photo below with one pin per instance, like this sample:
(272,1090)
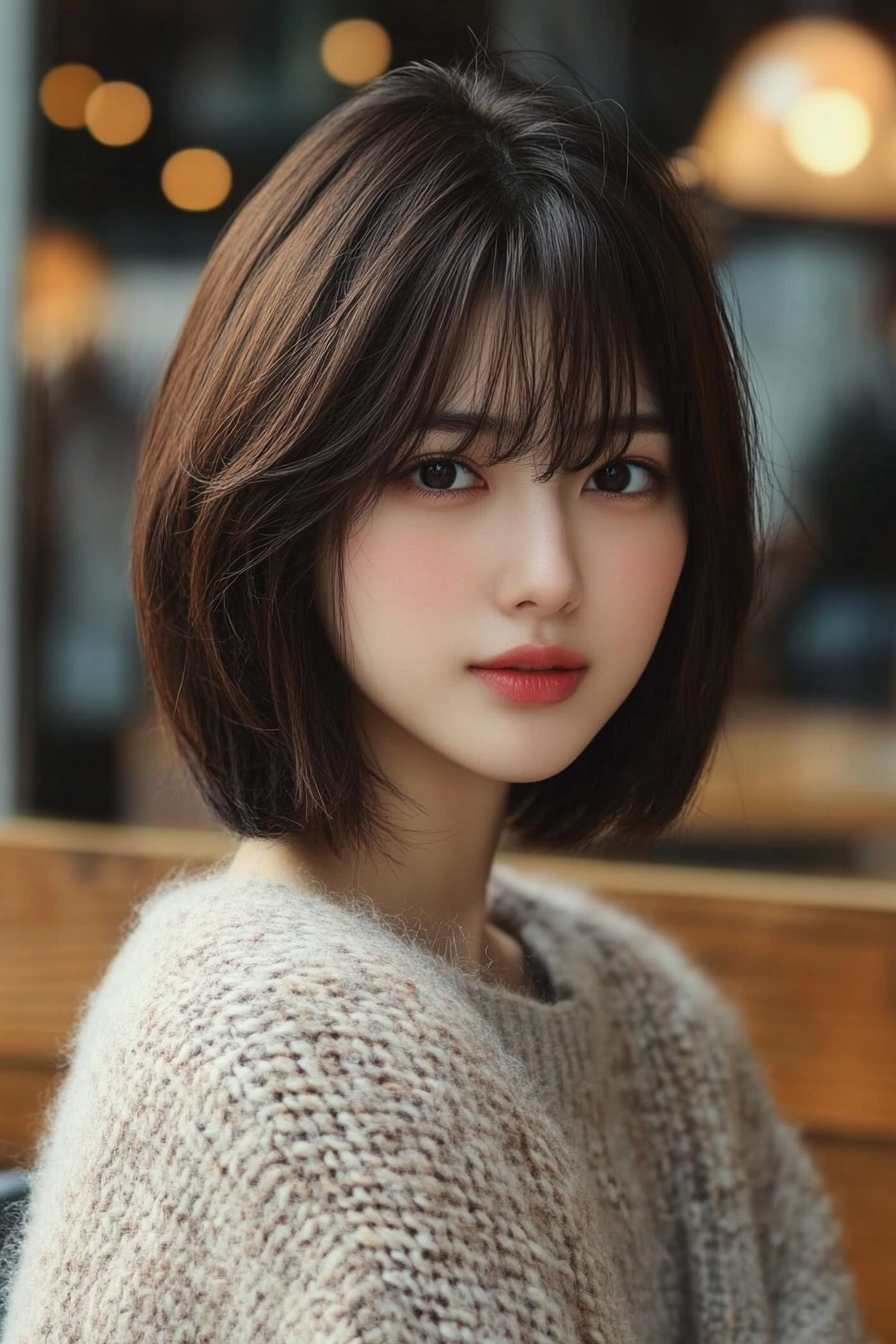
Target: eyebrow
(468,422)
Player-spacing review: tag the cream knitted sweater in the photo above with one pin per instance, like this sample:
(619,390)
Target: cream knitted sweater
(285,1120)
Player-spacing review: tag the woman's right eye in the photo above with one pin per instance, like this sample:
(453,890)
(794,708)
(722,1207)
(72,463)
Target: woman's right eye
(438,476)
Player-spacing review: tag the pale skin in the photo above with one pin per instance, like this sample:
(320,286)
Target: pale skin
(437,583)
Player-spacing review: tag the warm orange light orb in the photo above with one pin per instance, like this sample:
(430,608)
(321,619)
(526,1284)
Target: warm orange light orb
(63,289)
(64,91)
(118,113)
(355,50)
(197,179)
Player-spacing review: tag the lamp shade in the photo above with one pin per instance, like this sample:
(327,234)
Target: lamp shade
(803,122)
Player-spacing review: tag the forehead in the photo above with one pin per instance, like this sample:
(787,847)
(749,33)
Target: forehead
(515,364)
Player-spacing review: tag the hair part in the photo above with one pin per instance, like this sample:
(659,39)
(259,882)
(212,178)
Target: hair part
(323,337)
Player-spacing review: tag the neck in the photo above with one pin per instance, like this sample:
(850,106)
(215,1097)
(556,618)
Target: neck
(438,893)
(448,916)
(438,885)
(441,906)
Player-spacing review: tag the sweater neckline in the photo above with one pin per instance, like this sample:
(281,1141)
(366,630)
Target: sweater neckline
(554,974)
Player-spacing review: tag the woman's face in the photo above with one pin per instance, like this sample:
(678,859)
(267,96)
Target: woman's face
(492,559)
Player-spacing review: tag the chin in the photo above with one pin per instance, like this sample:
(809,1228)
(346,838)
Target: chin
(536,776)
(521,773)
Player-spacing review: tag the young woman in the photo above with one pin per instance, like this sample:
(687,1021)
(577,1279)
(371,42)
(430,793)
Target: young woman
(444,540)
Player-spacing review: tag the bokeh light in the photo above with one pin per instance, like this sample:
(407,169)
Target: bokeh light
(64,283)
(118,113)
(64,91)
(800,123)
(773,83)
(197,179)
(828,131)
(355,50)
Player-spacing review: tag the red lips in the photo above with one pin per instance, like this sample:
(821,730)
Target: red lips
(538,656)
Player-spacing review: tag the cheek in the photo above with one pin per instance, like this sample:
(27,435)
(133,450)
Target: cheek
(409,571)
(642,573)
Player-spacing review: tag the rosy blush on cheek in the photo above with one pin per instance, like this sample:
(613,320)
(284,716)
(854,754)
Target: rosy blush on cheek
(644,578)
(411,567)
(654,569)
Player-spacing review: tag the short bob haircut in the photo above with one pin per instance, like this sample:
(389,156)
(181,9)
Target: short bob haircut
(325,330)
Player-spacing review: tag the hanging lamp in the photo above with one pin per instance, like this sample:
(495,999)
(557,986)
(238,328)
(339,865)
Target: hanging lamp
(803,123)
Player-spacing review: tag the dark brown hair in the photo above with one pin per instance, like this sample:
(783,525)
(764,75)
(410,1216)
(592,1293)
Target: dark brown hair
(324,331)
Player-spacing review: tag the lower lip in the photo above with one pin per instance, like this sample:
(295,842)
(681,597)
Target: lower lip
(532,688)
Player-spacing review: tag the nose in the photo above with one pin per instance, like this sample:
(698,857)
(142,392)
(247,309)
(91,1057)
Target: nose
(538,566)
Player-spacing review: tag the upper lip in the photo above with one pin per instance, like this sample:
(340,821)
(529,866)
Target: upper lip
(536,655)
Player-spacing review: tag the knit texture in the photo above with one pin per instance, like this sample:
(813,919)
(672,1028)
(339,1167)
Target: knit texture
(285,1120)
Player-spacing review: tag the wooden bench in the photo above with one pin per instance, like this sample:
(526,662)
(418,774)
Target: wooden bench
(810,961)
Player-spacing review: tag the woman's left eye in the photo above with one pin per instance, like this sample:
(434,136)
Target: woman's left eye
(625,478)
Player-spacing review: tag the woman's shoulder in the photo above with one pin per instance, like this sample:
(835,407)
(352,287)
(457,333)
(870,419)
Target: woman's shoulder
(219,973)
(258,1061)
(667,1015)
(627,956)
(240,1016)
(229,996)
(240,951)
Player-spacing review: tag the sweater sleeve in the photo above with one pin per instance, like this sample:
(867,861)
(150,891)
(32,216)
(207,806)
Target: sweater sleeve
(809,1291)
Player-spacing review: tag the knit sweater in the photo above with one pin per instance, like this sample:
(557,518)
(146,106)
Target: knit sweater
(285,1119)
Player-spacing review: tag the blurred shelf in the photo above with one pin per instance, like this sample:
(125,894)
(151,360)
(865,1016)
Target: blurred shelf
(786,770)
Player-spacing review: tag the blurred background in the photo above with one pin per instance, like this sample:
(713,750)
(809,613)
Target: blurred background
(128,136)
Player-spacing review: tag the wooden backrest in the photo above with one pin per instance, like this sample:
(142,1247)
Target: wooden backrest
(810,962)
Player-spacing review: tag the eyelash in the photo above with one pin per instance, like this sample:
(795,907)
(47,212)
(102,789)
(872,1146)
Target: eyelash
(660,478)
